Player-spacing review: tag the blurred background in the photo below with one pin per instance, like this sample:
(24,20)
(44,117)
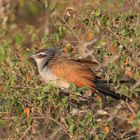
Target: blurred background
(31,110)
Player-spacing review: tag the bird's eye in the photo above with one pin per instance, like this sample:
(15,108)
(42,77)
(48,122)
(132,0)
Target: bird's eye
(41,55)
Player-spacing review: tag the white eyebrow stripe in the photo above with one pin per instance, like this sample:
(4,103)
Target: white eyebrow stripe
(42,53)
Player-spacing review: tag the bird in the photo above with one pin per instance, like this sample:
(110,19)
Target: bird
(55,67)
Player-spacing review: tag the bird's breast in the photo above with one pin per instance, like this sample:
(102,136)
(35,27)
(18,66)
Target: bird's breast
(49,77)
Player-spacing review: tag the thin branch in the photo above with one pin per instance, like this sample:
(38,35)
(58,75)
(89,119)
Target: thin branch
(27,130)
(135,85)
(81,42)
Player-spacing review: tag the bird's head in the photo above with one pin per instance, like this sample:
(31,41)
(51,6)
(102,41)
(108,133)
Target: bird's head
(44,56)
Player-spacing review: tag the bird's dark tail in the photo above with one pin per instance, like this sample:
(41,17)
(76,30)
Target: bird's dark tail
(122,81)
(105,89)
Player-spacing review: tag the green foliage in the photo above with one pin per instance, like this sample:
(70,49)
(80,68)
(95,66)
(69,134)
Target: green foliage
(136,120)
(32,108)
(19,39)
(2,54)
(3,47)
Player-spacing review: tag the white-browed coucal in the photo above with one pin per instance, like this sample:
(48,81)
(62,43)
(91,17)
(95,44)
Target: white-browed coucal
(56,67)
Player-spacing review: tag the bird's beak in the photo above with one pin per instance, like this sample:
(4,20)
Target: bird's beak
(32,59)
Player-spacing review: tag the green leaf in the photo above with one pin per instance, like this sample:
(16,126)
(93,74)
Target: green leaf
(65,99)
(98,12)
(122,2)
(72,128)
(136,120)
(19,39)
(57,37)
(2,54)
(53,5)
(137,31)
(73,86)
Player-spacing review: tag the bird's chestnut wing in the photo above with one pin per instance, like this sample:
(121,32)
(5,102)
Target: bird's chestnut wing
(73,72)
